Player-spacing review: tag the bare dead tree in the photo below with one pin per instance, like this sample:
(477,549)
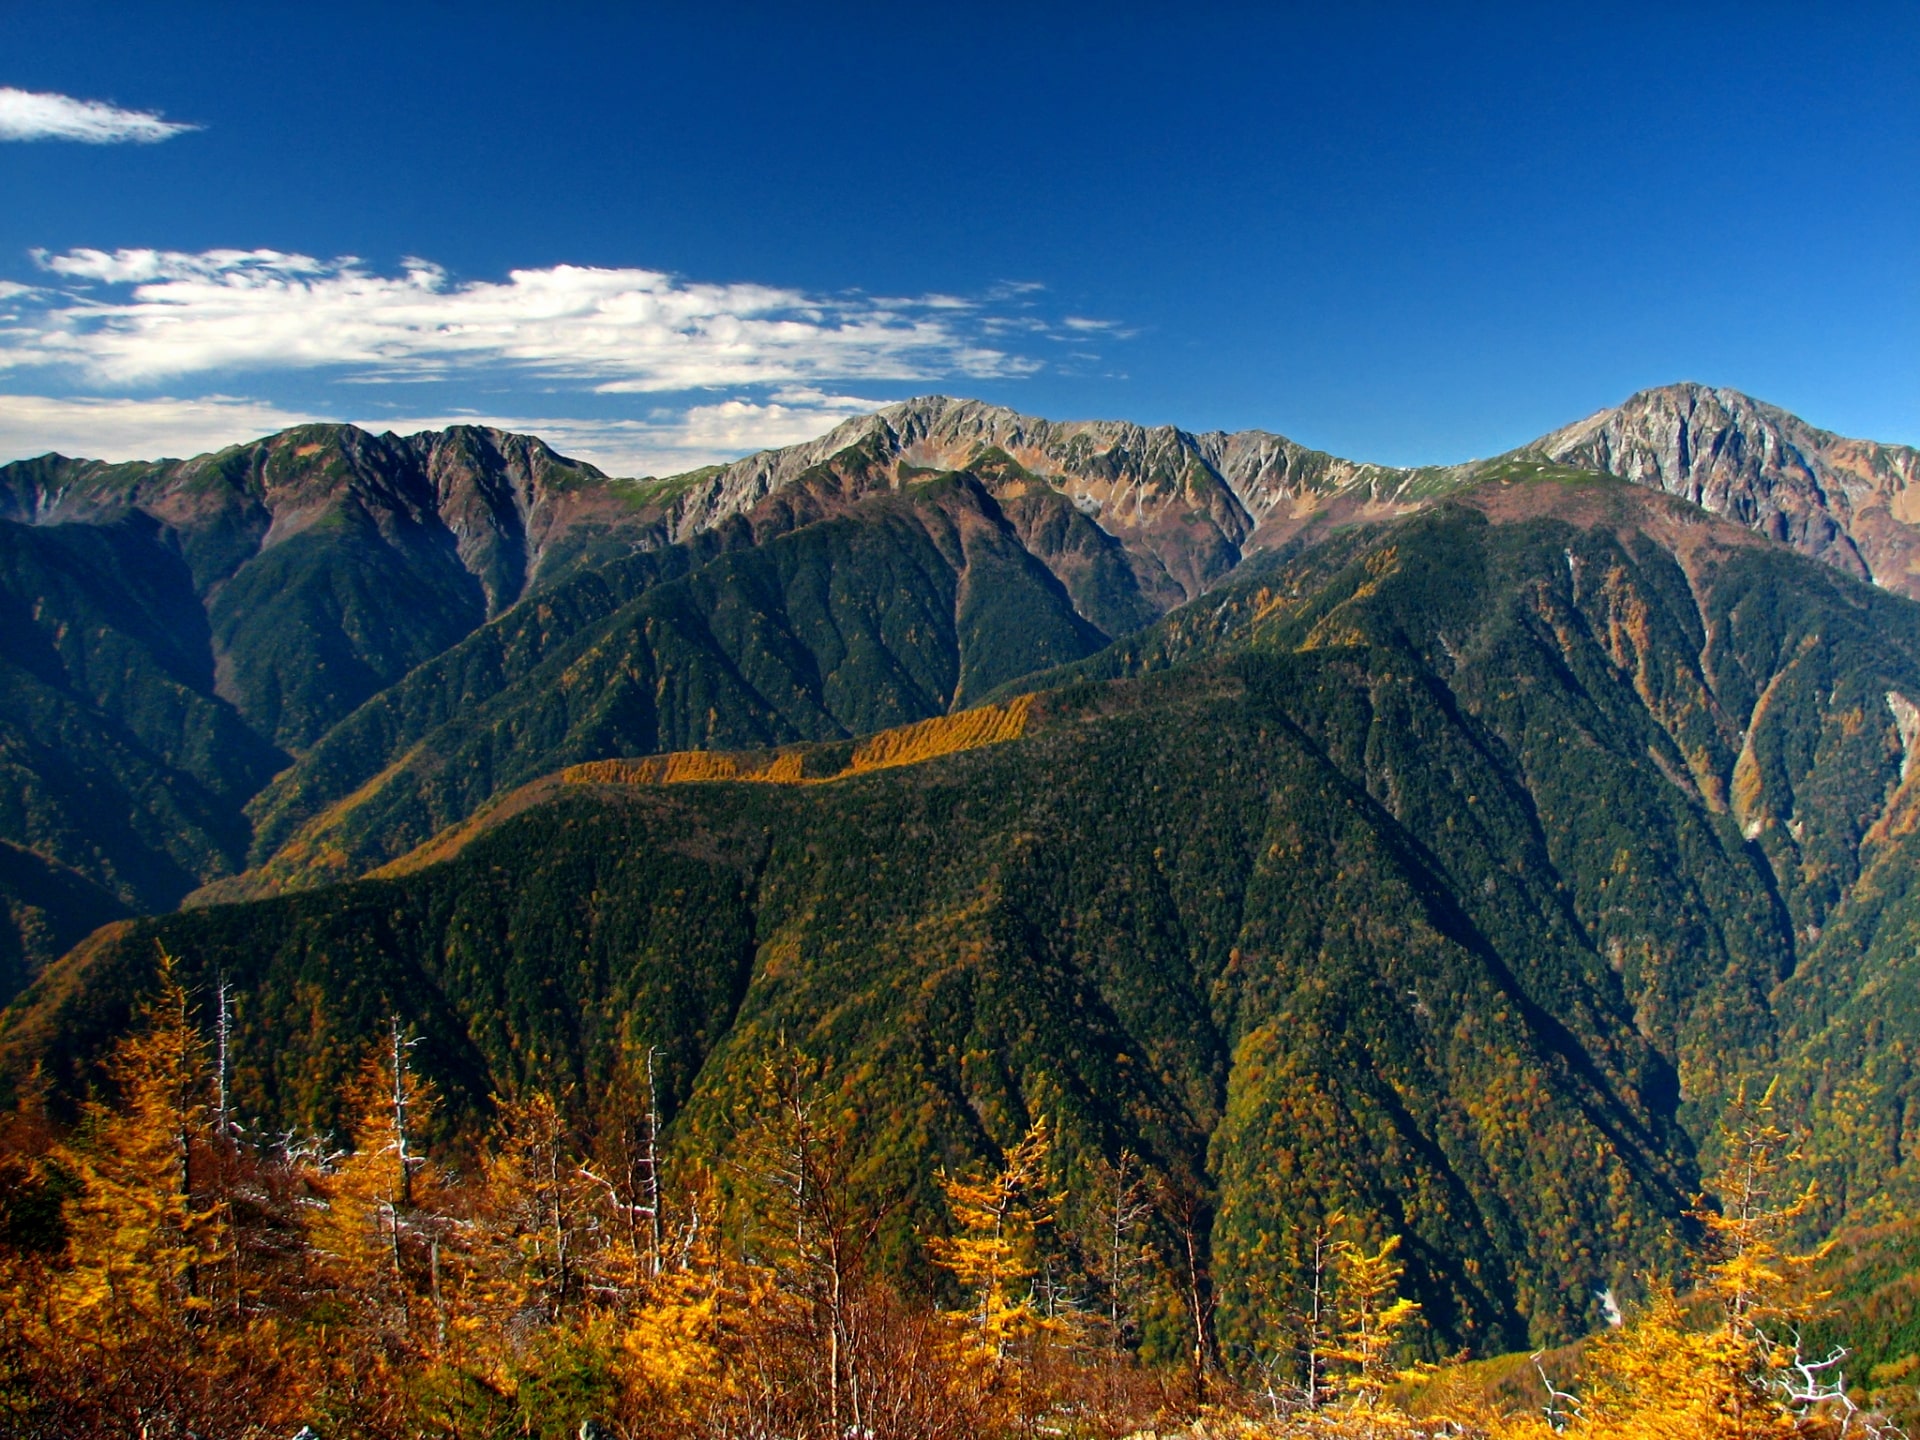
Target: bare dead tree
(1184,1208)
(820,1230)
(1316,1330)
(629,1175)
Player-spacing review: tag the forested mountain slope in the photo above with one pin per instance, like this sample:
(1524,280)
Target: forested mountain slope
(182,630)
(856,598)
(117,757)
(298,658)
(1451,872)
(48,909)
(174,630)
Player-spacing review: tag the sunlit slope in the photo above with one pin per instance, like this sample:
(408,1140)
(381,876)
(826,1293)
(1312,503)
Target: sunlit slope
(796,765)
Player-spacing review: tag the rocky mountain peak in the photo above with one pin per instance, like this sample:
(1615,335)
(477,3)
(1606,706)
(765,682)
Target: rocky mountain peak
(1187,505)
(1849,503)
(500,497)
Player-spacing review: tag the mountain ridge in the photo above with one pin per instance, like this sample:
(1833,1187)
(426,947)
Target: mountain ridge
(1762,466)
(346,601)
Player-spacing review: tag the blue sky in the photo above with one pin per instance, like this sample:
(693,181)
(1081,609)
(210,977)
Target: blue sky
(659,235)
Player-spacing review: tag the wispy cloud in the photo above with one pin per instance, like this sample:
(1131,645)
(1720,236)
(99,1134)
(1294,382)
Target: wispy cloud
(35,115)
(665,442)
(146,317)
(1082,325)
(118,429)
(670,441)
(704,371)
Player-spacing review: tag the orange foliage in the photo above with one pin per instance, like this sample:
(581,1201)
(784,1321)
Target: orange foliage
(942,735)
(184,1280)
(904,745)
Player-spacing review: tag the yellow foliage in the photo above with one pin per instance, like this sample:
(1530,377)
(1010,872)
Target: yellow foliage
(993,1252)
(1372,1314)
(903,745)
(942,735)
(681,1350)
(685,767)
(144,1237)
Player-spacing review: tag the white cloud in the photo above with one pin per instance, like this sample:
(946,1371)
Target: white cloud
(114,429)
(670,440)
(1082,325)
(130,267)
(724,369)
(738,427)
(667,442)
(619,331)
(32,115)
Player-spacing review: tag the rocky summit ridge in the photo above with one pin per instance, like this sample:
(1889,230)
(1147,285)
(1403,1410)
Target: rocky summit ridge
(1158,488)
(1850,503)
(516,513)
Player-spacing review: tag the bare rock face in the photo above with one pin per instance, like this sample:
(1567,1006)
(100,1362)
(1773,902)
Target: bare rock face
(1850,503)
(1186,507)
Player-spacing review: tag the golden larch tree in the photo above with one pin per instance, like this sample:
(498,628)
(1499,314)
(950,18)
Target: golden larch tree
(146,1239)
(993,1253)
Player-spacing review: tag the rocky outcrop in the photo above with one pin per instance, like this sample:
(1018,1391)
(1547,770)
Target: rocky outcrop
(1186,506)
(1853,504)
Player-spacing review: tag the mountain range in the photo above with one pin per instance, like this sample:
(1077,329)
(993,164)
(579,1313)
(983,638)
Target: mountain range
(298,658)
(1442,845)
